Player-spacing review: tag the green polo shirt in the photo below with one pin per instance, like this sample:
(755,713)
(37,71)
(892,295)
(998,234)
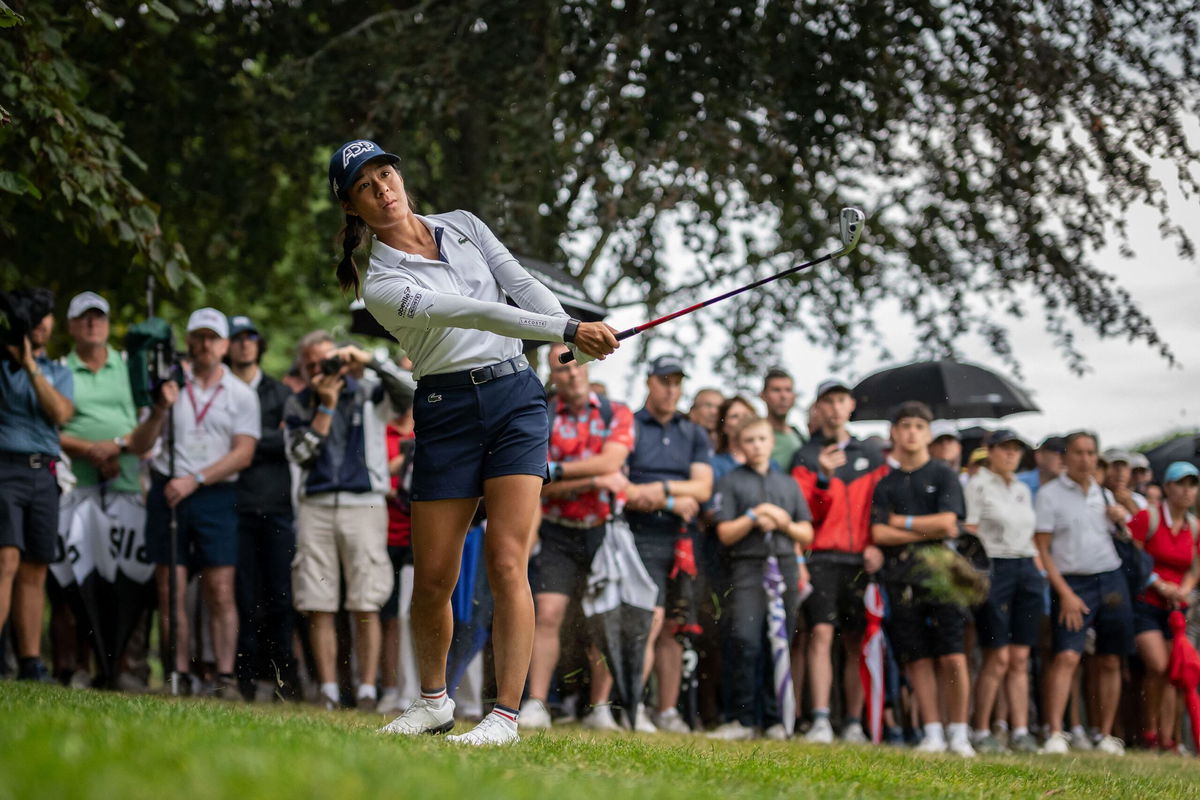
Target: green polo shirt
(103,411)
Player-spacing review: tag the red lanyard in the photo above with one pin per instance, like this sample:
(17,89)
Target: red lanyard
(204,411)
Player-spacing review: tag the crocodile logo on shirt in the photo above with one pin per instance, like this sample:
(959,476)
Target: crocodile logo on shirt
(462,240)
(434,398)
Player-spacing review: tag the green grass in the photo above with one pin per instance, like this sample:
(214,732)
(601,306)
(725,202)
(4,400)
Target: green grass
(61,744)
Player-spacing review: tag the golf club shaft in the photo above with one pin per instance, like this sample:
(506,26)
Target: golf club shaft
(645,326)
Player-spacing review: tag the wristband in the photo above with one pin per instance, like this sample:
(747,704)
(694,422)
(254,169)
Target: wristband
(908,522)
(801,560)
(325,410)
(570,331)
(556,470)
(670,503)
(753,517)
(199,477)
(666,488)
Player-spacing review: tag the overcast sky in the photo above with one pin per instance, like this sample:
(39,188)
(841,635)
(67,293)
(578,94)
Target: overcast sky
(1131,394)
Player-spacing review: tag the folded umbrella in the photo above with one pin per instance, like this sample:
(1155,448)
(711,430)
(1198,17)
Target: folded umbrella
(780,640)
(686,620)
(618,605)
(871,662)
(1184,672)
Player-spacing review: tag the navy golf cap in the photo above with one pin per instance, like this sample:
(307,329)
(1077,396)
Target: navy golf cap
(667,365)
(240,324)
(1004,435)
(348,160)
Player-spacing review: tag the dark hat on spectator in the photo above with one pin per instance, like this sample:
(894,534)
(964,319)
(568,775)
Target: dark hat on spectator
(831,385)
(241,324)
(667,365)
(84,302)
(1005,435)
(1055,444)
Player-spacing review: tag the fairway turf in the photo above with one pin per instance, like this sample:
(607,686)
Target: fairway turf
(58,743)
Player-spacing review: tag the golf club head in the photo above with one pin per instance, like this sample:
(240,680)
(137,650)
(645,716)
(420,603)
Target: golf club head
(853,220)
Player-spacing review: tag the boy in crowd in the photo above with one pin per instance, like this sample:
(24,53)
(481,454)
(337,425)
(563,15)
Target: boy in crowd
(837,474)
(917,505)
(761,513)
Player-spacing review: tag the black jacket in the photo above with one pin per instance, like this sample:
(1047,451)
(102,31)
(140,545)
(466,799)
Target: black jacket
(265,487)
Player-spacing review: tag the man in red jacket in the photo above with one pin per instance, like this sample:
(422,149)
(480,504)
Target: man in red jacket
(837,474)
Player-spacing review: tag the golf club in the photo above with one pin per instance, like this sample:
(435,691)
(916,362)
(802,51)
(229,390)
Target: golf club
(852,223)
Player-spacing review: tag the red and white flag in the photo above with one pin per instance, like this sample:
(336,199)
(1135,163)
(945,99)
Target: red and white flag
(871,663)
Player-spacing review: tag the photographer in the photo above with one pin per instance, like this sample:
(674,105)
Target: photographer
(215,432)
(336,433)
(35,398)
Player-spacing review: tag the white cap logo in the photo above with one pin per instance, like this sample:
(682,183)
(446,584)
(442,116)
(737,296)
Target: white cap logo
(355,149)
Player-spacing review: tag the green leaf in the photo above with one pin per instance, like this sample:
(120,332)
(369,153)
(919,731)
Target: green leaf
(163,10)
(8,17)
(17,183)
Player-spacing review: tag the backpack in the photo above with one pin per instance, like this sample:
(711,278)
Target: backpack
(1136,564)
(1156,518)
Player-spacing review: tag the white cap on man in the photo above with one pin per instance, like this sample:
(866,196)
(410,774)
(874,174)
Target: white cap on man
(209,319)
(944,427)
(84,302)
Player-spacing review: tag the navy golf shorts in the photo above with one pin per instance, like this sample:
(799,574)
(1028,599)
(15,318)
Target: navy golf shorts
(466,434)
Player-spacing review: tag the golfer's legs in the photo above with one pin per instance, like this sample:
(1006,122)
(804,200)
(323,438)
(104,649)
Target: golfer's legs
(439,528)
(512,502)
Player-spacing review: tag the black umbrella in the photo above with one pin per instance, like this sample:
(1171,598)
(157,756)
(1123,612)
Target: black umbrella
(1185,447)
(953,390)
(566,288)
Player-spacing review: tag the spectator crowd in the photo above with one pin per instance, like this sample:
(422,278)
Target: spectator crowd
(261,525)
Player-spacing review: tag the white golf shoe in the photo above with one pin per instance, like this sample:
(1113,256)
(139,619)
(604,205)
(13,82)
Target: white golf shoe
(423,716)
(732,732)
(534,715)
(492,730)
(670,721)
(642,723)
(854,734)
(600,718)
(1056,744)
(821,732)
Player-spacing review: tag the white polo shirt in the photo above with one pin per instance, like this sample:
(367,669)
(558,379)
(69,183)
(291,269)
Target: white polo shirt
(206,420)
(453,315)
(1082,543)
(1003,513)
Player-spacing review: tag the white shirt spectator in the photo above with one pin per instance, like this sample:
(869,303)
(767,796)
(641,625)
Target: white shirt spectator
(422,302)
(206,420)
(1082,543)
(1003,513)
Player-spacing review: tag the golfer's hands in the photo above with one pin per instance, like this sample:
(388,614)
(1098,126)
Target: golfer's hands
(595,340)
(831,459)
(1071,610)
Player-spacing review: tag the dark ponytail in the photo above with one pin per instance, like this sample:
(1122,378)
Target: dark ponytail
(350,236)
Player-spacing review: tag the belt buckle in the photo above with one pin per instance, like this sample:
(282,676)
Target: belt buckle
(35,461)
(479,370)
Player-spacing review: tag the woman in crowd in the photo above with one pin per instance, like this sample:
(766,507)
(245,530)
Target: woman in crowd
(1000,512)
(1168,532)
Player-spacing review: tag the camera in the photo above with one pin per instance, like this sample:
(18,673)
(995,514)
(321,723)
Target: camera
(330,366)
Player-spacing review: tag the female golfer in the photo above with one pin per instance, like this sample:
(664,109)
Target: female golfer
(438,284)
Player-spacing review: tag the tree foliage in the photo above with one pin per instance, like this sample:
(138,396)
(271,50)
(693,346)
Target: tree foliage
(996,146)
